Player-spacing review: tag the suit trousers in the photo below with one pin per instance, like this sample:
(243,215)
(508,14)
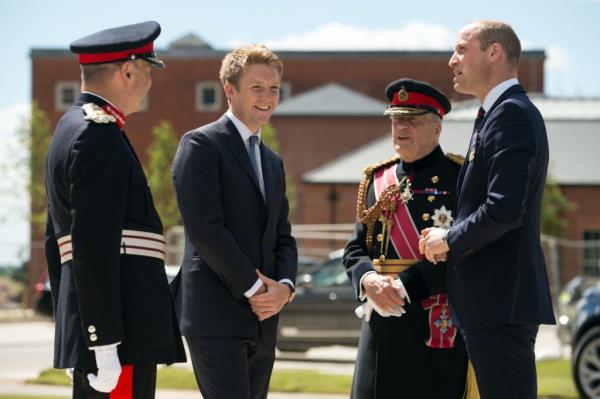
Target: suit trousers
(504,360)
(135,382)
(232,367)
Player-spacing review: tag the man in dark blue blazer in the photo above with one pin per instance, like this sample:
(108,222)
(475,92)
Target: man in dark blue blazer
(497,280)
(240,259)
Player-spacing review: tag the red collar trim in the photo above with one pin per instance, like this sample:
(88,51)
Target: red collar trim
(119,117)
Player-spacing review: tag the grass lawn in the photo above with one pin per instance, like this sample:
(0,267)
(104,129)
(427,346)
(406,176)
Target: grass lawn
(554,380)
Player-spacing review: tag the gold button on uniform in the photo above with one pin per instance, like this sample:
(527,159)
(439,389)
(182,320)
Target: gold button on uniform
(382,258)
(435,179)
(431,198)
(93,338)
(425,217)
(379,237)
(92,329)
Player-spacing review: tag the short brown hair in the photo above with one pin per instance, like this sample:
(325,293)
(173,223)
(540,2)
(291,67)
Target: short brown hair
(98,73)
(234,63)
(502,33)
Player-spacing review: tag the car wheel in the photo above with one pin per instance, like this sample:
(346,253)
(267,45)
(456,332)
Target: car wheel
(586,364)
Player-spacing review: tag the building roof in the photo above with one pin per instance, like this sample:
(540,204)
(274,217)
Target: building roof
(552,108)
(331,100)
(574,144)
(206,51)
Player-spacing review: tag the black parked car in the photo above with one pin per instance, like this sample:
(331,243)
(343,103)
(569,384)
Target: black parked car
(322,312)
(585,360)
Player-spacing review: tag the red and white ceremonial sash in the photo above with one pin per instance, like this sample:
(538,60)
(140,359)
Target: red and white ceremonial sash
(405,239)
(133,242)
(404,234)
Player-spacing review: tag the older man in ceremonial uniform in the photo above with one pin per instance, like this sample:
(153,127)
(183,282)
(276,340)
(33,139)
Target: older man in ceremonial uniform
(409,345)
(104,243)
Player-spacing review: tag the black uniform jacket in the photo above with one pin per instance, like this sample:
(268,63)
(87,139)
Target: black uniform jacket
(230,232)
(393,358)
(498,274)
(96,188)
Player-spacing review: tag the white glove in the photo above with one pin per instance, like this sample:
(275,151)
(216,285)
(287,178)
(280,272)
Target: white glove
(109,368)
(366,309)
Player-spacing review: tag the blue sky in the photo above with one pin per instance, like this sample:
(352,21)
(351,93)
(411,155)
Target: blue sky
(567,29)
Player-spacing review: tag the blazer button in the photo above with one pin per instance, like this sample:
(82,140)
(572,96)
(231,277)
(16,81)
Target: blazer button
(93,337)
(92,329)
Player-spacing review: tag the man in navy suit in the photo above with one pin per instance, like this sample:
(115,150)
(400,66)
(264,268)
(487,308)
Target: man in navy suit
(240,259)
(497,281)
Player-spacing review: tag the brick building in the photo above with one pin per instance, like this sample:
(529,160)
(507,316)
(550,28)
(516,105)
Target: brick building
(188,94)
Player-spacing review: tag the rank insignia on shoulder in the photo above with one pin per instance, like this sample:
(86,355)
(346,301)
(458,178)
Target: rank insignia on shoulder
(442,217)
(96,114)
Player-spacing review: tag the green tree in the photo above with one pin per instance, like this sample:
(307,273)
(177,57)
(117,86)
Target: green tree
(34,136)
(554,208)
(269,136)
(160,158)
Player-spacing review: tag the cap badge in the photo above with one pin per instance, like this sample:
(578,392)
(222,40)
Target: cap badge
(96,114)
(402,94)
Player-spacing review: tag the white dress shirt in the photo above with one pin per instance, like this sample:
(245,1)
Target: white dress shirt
(496,92)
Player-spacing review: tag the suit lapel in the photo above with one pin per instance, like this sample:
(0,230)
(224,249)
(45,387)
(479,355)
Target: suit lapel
(238,149)
(511,91)
(267,171)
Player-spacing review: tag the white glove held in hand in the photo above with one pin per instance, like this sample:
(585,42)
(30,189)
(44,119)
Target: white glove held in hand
(367,308)
(109,369)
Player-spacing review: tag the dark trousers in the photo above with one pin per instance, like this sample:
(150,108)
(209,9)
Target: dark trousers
(231,367)
(135,382)
(504,360)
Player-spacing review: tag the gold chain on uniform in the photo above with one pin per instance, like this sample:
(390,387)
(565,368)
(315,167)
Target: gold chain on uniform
(386,202)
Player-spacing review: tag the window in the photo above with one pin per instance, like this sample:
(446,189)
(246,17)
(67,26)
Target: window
(145,102)
(591,252)
(208,96)
(66,94)
(285,91)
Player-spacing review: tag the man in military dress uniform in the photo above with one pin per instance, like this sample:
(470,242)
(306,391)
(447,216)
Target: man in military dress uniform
(409,345)
(104,243)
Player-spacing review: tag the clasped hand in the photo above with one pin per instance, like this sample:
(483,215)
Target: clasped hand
(270,298)
(433,245)
(385,296)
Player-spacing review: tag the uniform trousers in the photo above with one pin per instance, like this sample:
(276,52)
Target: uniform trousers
(135,382)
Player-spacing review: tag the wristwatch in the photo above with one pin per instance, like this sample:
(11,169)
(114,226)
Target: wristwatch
(445,237)
(292,291)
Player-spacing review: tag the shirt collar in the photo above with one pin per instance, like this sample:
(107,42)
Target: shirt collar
(242,128)
(496,92)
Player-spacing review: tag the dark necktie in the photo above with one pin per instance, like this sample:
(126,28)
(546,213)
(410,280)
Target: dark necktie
(476,125)
(480,115)
(253,141)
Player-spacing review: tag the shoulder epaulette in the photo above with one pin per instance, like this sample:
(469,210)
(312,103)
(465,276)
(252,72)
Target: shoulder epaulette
(96,114)
(364,183)
(459,159)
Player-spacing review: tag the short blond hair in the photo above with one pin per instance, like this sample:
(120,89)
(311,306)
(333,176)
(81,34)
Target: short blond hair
(502,33)
(234,64)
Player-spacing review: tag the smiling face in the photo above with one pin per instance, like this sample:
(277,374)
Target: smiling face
(470,64)
(254,100)
(415,137)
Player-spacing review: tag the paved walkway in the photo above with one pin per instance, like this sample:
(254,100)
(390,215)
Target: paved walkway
(19,388)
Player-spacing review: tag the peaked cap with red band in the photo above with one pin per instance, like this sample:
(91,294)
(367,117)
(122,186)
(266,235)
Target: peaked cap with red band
(118,44)
(410,97)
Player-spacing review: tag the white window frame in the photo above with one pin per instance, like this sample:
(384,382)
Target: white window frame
(216,86)
(285,91)
(60,86)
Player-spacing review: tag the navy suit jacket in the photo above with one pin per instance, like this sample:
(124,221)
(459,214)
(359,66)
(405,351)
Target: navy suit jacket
(230,232)
(497,272)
